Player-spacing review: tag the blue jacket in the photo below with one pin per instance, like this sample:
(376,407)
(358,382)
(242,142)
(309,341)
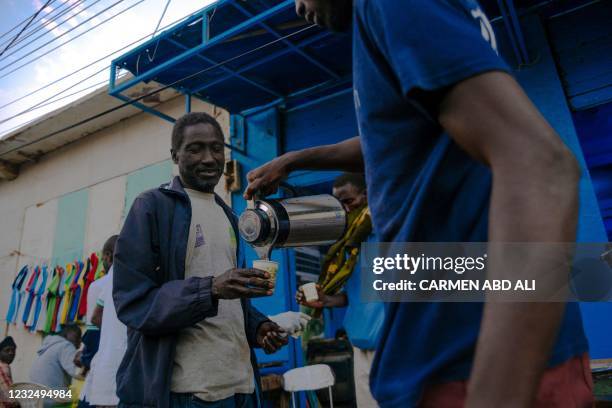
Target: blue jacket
(153,298)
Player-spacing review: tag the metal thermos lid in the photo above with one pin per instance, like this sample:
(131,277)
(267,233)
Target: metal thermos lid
(254,225)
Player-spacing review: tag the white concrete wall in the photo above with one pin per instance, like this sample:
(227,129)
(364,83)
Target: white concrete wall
(99,162)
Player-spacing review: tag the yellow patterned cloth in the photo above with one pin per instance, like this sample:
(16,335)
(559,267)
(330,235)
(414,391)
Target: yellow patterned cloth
(340,260)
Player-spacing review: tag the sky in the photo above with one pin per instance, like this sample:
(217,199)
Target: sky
(136,22)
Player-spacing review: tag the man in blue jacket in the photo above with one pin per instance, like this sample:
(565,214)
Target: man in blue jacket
(191,328)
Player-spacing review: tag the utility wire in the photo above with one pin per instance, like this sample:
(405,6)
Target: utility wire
(43,102)
(26,26)
(163,88)
(66,42)
(155,31)
(88,65)
(18,25)
(50,21)
(59,36)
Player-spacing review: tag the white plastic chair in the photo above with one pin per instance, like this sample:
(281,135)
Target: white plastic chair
(309,378)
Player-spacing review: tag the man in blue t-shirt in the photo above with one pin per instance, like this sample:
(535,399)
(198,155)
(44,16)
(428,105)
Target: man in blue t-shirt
(454,150)
(362,321)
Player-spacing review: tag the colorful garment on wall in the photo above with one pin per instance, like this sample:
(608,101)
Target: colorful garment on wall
(12,313)
(45,298)
(41,298)
(52,300)
(30,295)
(92,267)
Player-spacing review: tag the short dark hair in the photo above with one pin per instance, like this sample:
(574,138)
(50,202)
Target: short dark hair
(356,179)
(70,328)
(109,245)
(189,119)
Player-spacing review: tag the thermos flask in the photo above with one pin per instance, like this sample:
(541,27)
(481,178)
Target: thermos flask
(292,222)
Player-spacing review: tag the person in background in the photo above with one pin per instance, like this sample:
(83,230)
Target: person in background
(8,348)
(181,288)
(341,270)
(91,338)
(55,365)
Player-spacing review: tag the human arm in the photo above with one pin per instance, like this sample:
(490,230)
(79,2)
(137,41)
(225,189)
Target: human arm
(146,301)
(457,80)
(345,155)
(534,199)
(67,358)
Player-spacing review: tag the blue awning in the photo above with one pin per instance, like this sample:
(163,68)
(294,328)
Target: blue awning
(241,54)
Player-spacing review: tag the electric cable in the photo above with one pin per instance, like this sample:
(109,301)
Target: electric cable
(46,33)
(18,25)
(24,27)
(88,65)
(43,102)
(63,34)
(148,94)
(59,12)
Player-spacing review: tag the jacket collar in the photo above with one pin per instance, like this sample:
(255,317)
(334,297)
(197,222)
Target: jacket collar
(175,186)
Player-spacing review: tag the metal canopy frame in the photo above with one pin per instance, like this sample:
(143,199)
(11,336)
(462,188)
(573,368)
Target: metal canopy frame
(244,55)
(263,31)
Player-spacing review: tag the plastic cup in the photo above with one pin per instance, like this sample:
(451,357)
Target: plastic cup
(269,266)
(310,291)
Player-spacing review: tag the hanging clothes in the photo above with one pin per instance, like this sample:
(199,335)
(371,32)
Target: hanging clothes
(92,265)
(11,314)
(41,298)
(30,293)
(56,321)
(23,294)
(76,288)
(62,318)
(101,272)
(52,300)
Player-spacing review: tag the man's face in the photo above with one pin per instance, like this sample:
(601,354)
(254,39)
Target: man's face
(350,196)
(74,338)
(333,14)
(107,260)
(200,157)
(7,354)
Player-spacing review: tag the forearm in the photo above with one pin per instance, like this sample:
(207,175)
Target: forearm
(516,338)
(339,300)
(344,156)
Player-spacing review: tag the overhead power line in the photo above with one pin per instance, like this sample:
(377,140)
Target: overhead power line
(163,88)
(88,65)
(48,20)
(30,52)
(25,26)
(18,25)
(66,42)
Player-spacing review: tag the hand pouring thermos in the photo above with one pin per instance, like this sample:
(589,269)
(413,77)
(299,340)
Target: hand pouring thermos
(292,222)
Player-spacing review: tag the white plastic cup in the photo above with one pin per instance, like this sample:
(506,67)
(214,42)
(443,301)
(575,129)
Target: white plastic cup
(269,266)
(310,291)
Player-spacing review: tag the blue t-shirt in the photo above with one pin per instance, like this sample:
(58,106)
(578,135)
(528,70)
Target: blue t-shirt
(363,321)
(421,186)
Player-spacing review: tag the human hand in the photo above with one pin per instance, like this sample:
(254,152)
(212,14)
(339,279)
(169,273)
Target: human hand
(265,179)
(271,337)
(291,322)
(315,304)
(242,283)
